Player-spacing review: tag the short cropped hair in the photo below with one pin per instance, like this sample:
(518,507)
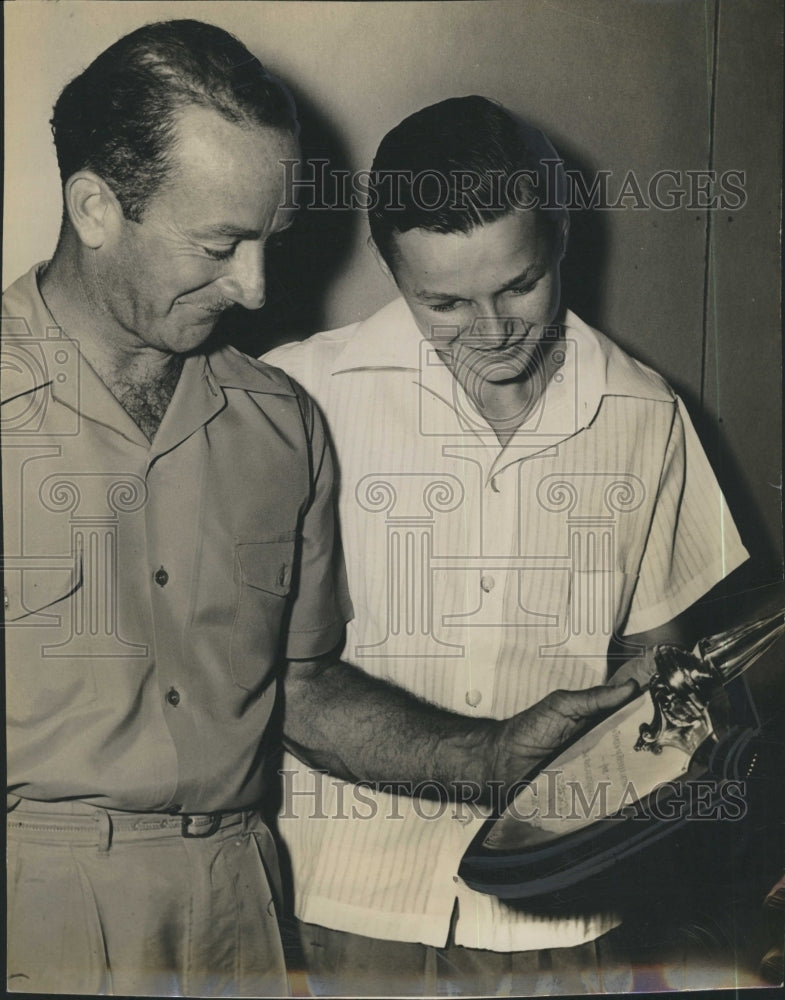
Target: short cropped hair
(117,118)
(457,165)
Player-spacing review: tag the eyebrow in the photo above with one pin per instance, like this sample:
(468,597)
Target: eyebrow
(447,296)
(235,232)
(225,229)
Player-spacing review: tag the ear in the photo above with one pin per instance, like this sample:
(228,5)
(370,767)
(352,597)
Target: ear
(92,208)
(380,259)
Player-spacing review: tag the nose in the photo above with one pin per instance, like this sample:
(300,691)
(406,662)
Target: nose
(491,332)
(244,281)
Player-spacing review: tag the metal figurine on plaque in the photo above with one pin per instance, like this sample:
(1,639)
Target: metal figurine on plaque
(581,813)
(686,686)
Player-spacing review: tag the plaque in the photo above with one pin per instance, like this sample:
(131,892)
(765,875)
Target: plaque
(627,782)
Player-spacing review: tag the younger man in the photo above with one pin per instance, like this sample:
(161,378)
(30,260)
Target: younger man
(516,491)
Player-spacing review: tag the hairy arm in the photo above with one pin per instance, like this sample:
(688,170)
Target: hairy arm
(364,729)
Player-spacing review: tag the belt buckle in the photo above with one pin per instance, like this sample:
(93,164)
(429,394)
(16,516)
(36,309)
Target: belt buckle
(187,821)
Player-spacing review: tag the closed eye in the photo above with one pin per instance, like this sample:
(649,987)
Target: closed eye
(522,289)
(223,254)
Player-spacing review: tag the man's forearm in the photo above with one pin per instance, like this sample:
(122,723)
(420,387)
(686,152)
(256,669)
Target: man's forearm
(361,728)
(364,729)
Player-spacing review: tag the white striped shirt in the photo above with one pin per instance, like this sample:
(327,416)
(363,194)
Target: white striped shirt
(482,578)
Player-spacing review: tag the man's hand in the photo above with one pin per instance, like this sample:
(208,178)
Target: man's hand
(524,741)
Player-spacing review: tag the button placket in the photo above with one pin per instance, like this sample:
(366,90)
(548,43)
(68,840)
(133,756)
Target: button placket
(499,531)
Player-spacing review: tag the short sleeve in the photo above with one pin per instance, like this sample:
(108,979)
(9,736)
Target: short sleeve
(321,604)
(692,542)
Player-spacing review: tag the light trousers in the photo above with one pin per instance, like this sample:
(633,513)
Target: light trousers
(147,912)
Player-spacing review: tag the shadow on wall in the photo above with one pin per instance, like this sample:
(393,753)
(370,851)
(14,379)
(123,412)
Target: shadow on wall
(310,256)
(585,263)
(764,569)
(757,585)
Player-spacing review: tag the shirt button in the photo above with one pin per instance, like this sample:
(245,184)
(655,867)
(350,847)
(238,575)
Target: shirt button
(473,698)
(173,697)
(487,583)
(161,577)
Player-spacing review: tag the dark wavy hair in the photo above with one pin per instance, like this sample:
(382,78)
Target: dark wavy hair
(420,172)
(117,117)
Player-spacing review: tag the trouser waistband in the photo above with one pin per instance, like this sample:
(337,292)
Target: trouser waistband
(84,823)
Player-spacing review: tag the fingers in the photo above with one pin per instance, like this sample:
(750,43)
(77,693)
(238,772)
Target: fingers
(603,698)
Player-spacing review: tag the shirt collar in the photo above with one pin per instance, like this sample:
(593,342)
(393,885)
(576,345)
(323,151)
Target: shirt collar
(230,369)
(593,366)
(388,339)
(61,369)
(200,394)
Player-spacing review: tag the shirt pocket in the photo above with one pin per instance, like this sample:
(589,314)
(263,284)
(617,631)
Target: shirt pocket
(259,629)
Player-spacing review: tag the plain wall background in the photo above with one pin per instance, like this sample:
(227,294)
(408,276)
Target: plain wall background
(618,85)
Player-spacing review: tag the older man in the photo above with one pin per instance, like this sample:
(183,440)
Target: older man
(170,546)
(518,497)
(153,580)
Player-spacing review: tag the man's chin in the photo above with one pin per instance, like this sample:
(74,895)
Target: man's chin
(190,339)
(504,374)
(502,369)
